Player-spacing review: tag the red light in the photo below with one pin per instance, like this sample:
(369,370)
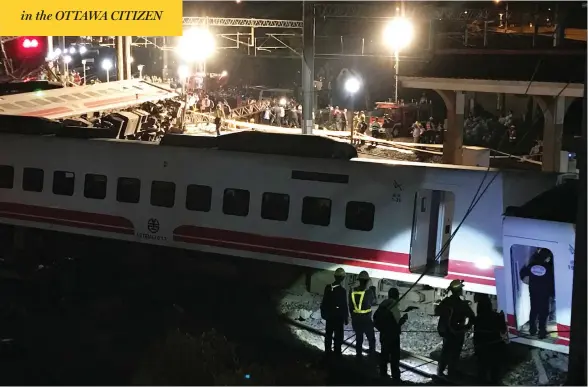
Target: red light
(30,43)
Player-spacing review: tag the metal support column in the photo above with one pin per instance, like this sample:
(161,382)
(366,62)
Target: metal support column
(165,59)
(50,50)
(577,359)
(127,58)
(120,63)
(308,68)
(62,48)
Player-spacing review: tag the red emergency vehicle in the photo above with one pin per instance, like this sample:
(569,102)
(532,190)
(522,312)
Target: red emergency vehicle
(405,114)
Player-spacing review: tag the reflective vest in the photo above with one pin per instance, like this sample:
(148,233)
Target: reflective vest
(357,305)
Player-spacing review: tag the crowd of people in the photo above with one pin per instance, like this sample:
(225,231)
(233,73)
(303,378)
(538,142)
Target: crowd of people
(456,318)
(340,307)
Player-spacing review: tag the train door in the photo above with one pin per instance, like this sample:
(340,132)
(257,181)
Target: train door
(523,254)
(431,229)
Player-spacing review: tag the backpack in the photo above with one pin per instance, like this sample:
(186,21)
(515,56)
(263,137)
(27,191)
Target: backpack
(443,325)
(384,320)
(327,304)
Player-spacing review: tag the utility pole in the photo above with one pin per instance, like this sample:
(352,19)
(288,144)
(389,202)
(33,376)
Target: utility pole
(577,359)
(308,67)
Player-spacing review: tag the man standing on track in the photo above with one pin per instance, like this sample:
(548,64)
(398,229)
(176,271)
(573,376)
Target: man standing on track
(455,318)
(388,321)
(334,312)
(361,300)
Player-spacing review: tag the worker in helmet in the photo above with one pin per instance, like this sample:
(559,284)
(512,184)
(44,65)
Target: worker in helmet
(455,318)
(334,312)
(361,300)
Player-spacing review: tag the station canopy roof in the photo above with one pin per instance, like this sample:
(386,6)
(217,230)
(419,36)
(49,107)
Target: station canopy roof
(531,74)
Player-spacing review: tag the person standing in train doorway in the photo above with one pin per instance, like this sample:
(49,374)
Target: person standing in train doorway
(538,274)
(334,312)
(455,318)
(361,300)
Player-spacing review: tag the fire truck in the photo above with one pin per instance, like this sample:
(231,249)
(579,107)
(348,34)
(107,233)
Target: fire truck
(403,113)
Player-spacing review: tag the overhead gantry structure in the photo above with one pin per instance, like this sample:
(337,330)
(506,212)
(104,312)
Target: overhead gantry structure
(251,36)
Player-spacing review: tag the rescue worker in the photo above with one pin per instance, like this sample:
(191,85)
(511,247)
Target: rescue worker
(338,116)
(334,312)
(361,300)
(489,346)
(416,132)
(455,318)
(538,274)
(387,126)
(387,320)
(219,114)
(344,119)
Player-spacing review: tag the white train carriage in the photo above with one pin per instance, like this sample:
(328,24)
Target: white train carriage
(75,101)
(389,218)
(546,222)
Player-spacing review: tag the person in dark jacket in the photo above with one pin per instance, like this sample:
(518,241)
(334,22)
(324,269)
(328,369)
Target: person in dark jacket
(388,321)
(489,346)
(361,300)
(334,312)
(455,318)
(538,274)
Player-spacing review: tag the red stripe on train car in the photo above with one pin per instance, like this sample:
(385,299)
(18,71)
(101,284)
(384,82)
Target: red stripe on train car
(79,219)
(110,101)
(511,320)
(48,112)
(287,253)
(319,251)
(300,245)
(467,267)
(563,331)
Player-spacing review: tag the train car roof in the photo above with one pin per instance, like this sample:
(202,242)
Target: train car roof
(75,101)
(559,204)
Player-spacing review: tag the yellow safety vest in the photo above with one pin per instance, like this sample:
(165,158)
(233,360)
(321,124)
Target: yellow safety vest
(357,306)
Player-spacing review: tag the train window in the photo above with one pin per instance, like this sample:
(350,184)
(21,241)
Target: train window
(360,216)
(275,206)
(63,183)
(236,202)
(316,211)
(25,104)
(198,197)
(95,186)
(163,194)
(128,190)
(32,179)
(6,176)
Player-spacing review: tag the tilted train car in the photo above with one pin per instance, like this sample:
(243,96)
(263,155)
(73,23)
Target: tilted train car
(546,222)
(387,217)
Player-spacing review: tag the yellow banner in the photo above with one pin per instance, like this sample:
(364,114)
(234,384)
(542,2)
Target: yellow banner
(91,18)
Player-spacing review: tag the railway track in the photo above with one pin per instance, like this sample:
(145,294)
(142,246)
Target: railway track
(420,366)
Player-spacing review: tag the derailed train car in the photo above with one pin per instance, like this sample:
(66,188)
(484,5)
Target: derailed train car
(282,198)
(546,222)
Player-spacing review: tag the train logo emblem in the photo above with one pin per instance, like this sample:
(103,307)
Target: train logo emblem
(153,225)
(538,270)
